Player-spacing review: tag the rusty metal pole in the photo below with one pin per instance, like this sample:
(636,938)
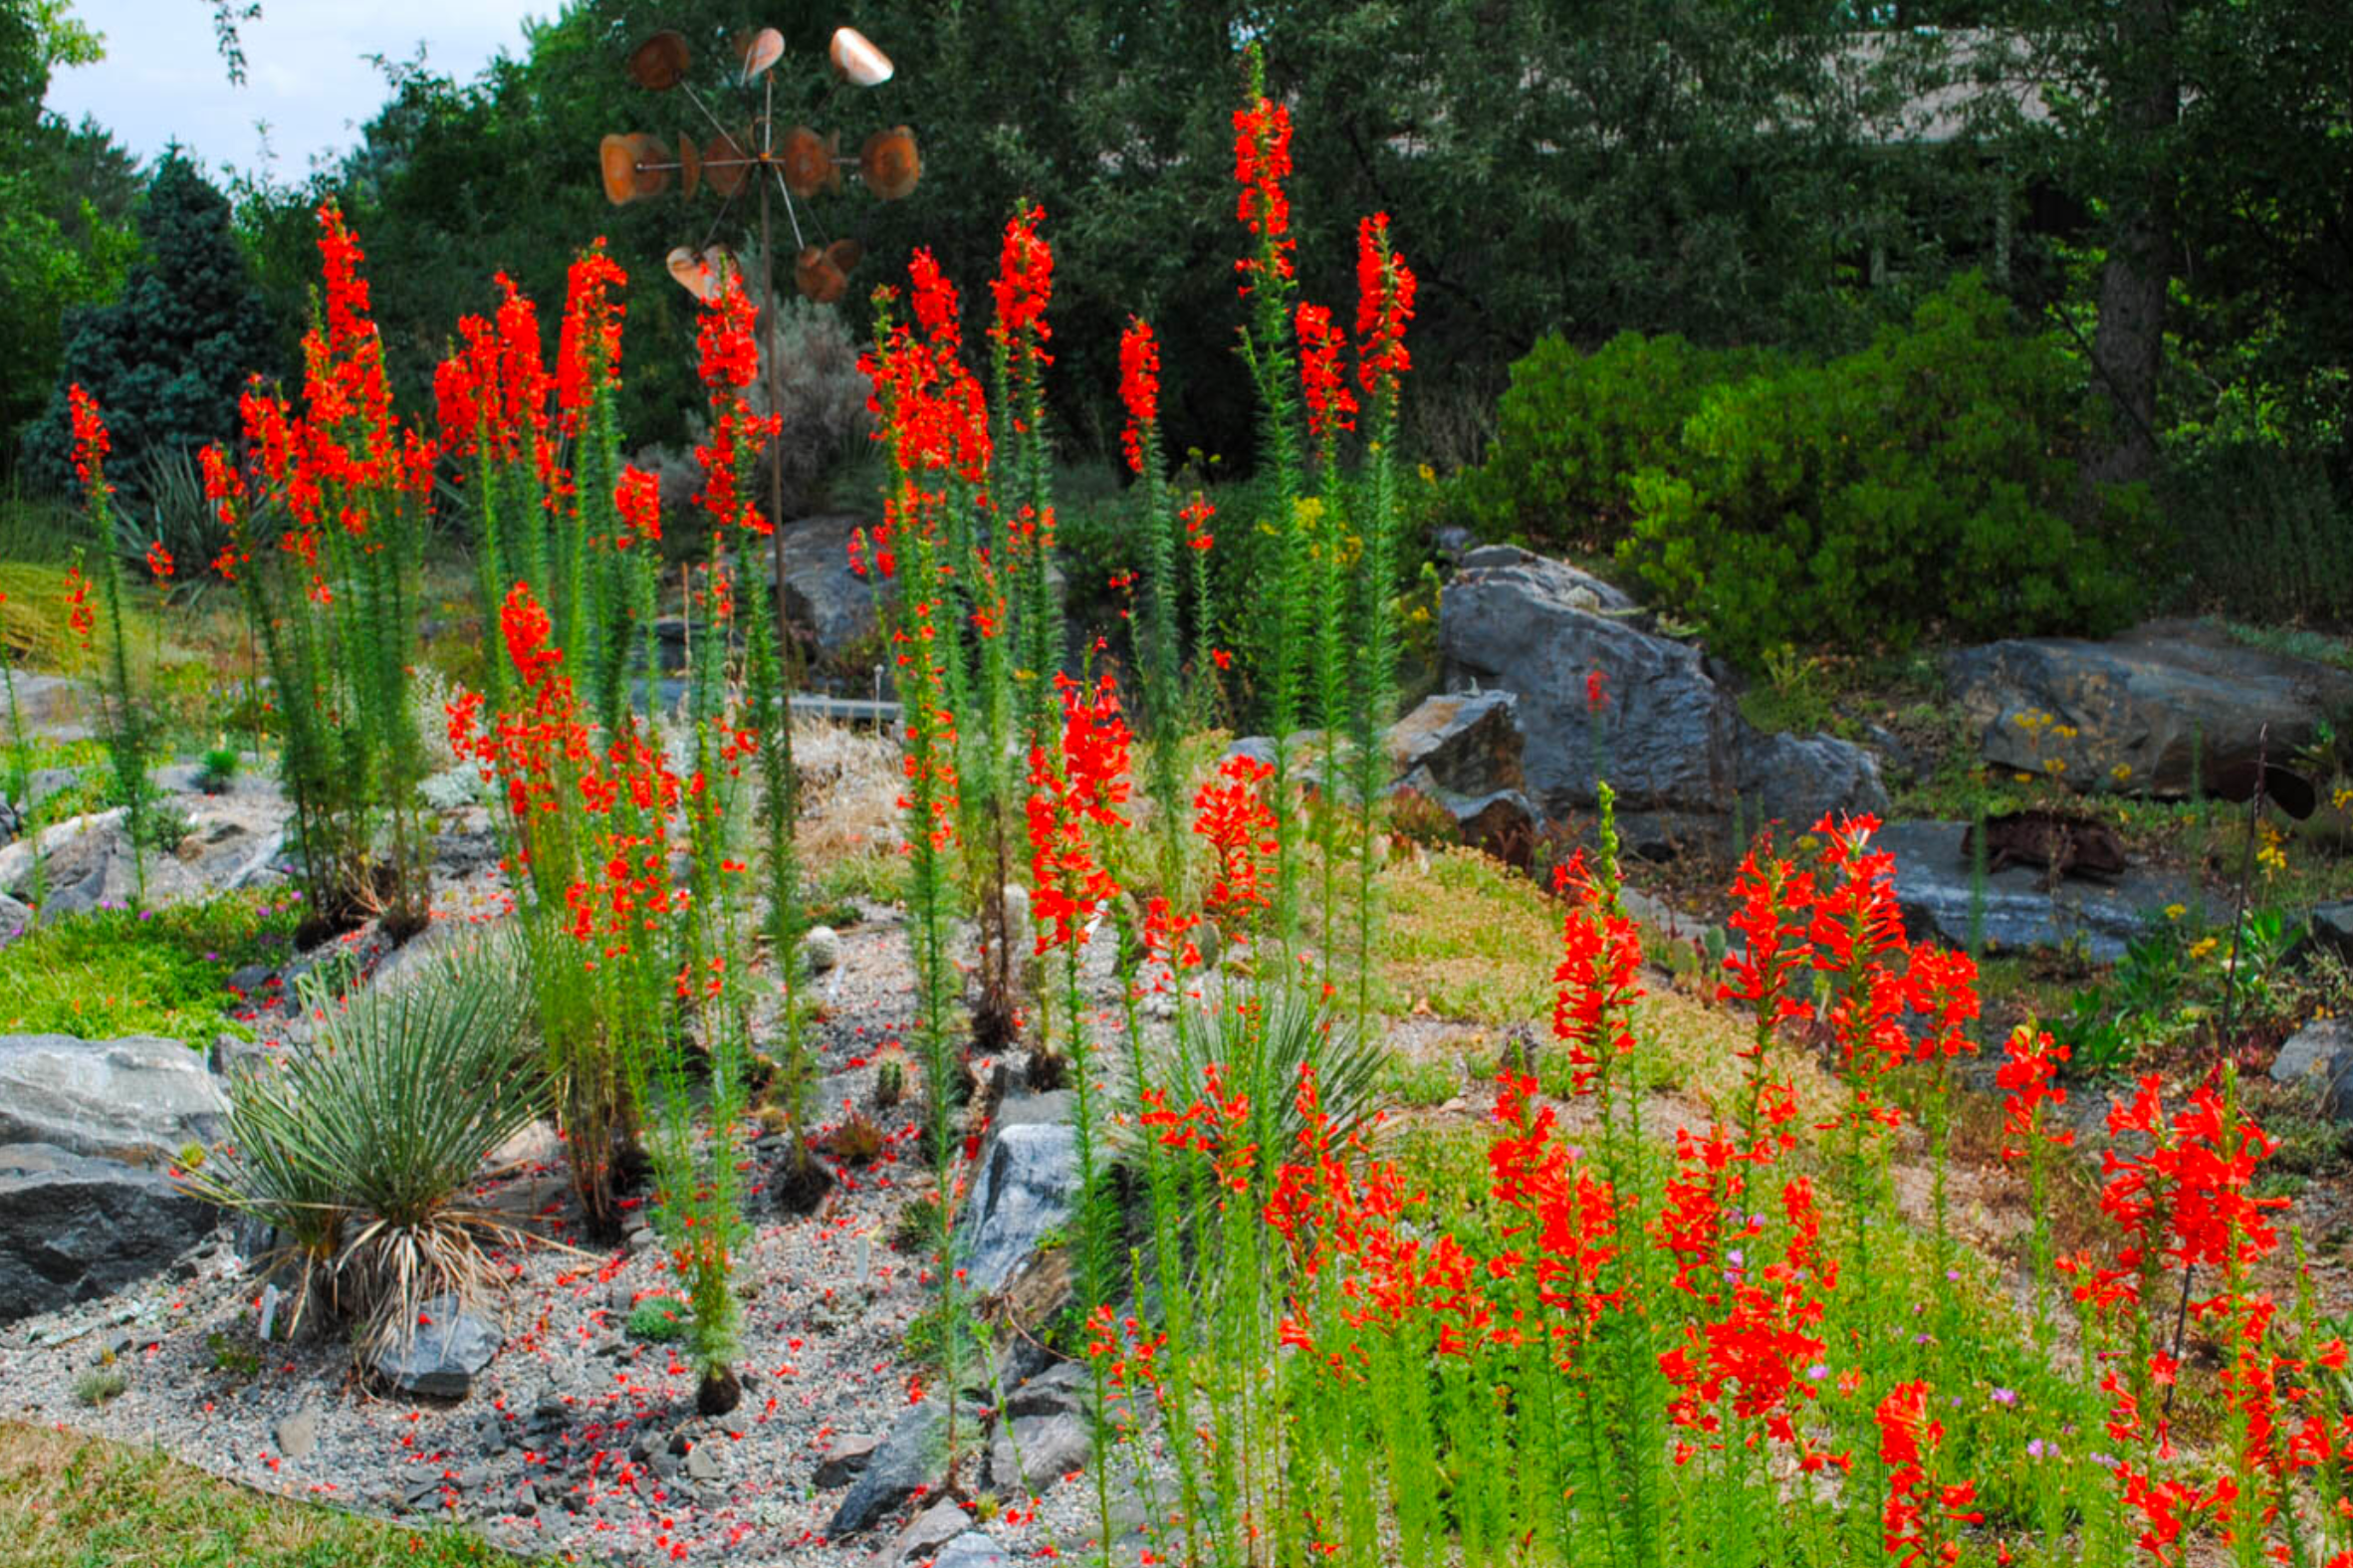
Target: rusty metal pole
(776,458)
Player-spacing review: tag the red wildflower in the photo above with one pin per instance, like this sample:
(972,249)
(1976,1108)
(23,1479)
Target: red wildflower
(1023,285)
(589,349)
(1918,1510)
(1774,898)
(1597,690)
(935,301)
(1195,515)
(91,441)
(81,619)
(1595,985)
(1330,405)
(1139,387)
(1083,793)
(2029,1080)
(159,562)
(1384,304)
(1262,161)
(728,357)
(1565,1219)
(1232,814)
(638,497)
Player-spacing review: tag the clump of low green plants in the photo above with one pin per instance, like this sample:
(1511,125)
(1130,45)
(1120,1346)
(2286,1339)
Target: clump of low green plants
(661,1321)
(218,768)
(917,1225)
(109,972)
(231,1359)
(891,1082)
(99,1386)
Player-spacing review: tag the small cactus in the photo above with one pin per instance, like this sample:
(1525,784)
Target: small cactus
(890,1083)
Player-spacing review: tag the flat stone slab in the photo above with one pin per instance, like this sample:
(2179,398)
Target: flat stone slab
(2019,909)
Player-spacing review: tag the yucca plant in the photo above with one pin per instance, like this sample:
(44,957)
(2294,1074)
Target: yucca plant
(1262,1045)
(362,1147)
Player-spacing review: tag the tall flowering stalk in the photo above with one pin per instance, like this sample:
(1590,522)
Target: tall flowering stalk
(1022,288)
(1075,795)
(1164,710)
(336,601)
(128,744)
(1773,900)
(914,424)
(1261,162)
(2028,1081)
(1385,287)
(1323,526)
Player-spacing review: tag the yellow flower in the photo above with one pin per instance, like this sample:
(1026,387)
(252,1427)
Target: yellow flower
(2121,772)
(2026,777)
(1429,473)
(2176,911)
(2343,800)
(2065,732)
(2202,947)
(2272,859)
(2054,765)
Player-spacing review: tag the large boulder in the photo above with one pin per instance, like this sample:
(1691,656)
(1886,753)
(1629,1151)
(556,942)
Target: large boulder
(2179,704)
(140,1099)
(1463,743)
(2016,907)
(821,595)
(1657,724)
(73,1227)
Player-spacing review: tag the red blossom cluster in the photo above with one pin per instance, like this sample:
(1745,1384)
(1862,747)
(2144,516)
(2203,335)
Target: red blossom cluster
(1069,798)
(1915,1524)
(729,360)
(1384,304)
(91,440)
(589,348)
(2029,1080)
(1023,287)
(1261,162)
(1139,387)
(1595,984)
(1331,407)
(1195,515)
(1233,813)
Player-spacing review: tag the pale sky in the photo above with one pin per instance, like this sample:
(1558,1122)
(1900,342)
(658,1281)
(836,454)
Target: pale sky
(162,76)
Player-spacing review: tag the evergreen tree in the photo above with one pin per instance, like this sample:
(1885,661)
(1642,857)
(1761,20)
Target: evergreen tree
(168,359)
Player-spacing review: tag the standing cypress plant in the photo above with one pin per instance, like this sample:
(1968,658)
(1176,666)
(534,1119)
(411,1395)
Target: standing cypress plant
(1331,408)
(337,603)
(916,422)
(1156,646)
(1023,287)
(126,726)
(1384,304)
(1262,161)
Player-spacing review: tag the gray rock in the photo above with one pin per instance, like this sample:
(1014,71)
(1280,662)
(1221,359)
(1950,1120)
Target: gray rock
(913,1452)
(73,1227)
(2332,928)
(820,594)
(1667,736)
(1933,886)
(2308,1050)
(87,861)
(1030,1453)
(53,707)
(2336,1093)
(1580,589)
(140,1099)
(704,1465)
(1463,743)
(848,1455)
(1028,1186)
(439,1358)
(925,1536)
(972,1549)
(15,919)
(1061,1390)
(1032,1110)
(2176,702)
(297,1434)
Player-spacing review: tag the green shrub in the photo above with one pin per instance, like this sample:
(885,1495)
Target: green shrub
(1923,481)
(2256,531)
(112,971)
(1573,428)
(99,1387)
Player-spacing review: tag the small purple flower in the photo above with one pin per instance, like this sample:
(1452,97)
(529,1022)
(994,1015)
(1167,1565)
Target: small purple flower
(2035,1448)
(1817,1372)
(2005,1396)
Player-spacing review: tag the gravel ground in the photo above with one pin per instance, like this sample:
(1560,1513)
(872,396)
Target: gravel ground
(578,1438)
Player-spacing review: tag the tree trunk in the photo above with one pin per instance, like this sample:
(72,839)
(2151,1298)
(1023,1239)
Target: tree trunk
(2128,345)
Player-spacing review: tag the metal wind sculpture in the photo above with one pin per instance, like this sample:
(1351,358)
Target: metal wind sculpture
(754,156)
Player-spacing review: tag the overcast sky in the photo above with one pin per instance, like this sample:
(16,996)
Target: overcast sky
(162,76)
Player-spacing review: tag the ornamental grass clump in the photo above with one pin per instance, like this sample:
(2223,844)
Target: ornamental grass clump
(361,1148)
